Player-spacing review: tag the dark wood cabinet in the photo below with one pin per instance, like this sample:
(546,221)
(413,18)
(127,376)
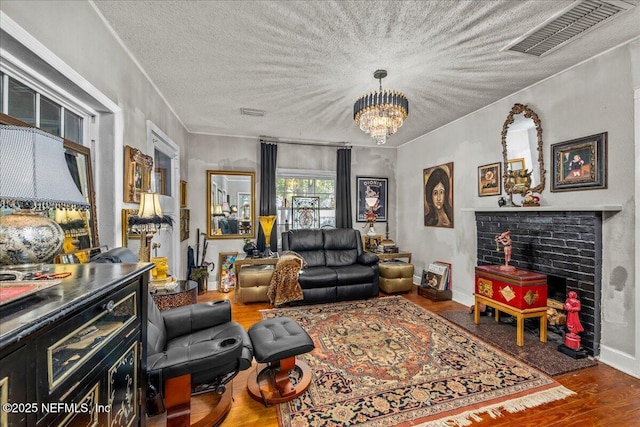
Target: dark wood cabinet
(73,354)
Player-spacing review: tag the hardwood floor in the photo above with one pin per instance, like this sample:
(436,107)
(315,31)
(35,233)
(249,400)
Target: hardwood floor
(605,396)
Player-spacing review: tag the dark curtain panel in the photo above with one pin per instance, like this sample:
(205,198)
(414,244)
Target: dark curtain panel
(268,158)
(343,189)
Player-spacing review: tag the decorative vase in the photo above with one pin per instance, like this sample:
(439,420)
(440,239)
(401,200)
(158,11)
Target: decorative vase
(28,237)
(266,222)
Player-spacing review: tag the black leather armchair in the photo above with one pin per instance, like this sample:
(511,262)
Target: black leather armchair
(199,340)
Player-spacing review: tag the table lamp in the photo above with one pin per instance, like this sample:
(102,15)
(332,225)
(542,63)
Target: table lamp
(370,215)
(148,221)
(266,222)
(34,177)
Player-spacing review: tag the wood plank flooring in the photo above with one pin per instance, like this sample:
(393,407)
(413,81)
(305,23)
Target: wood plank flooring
(605,396)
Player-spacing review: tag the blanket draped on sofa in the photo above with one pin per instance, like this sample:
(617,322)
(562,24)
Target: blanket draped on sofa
(284,286)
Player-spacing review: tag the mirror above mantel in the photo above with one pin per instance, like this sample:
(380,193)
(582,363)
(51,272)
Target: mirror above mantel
(230,204)
(522,152)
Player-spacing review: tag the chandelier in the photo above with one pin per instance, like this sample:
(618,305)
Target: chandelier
(382,112)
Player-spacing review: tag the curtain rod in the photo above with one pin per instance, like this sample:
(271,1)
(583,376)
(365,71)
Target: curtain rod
(312,144)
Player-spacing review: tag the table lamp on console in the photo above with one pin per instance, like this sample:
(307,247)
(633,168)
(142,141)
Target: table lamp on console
(148,221)
(34,179)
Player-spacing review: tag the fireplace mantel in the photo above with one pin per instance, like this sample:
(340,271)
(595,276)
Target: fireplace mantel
(574,208)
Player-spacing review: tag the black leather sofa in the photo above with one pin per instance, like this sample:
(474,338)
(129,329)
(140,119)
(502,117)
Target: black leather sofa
(336,268)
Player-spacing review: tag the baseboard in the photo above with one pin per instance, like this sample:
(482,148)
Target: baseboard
(616,359)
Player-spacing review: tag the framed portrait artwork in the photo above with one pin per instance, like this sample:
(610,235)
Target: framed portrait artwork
(437,182)
(227,270)
(137,174)
(580,164)
(371,187)
(161,180)
(490,179)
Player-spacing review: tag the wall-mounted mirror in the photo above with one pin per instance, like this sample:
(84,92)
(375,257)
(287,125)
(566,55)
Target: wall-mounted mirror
(522,152)
(230,204)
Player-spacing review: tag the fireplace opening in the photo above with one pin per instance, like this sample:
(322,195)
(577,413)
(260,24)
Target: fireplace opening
(556,288)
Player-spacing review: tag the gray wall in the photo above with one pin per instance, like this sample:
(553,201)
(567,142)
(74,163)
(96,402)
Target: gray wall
(82,41)
(594,97)
(209,152)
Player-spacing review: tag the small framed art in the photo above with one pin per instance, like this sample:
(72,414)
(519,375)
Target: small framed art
(490,179)
(183,194)
(227,271)
(580,164)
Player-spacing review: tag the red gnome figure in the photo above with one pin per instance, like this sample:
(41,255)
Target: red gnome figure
(572,306)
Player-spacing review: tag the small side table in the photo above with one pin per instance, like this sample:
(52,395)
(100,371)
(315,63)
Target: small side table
(185,294)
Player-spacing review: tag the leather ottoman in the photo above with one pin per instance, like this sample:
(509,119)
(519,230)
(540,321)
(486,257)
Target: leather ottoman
(395,276)
(276,343)
(253,283)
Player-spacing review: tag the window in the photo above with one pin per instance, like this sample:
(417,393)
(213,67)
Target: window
(32,107)
(292,183)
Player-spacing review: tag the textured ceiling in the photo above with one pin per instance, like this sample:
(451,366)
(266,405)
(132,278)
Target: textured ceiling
(306,62)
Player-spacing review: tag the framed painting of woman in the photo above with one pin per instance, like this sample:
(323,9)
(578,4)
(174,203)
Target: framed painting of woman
(437,182)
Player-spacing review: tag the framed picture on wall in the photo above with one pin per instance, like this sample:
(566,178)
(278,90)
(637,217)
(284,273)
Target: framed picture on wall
(437,182)
(184,224)
(183,194)
(368,187)
(490,179)
(579,164)
(137,174)
(226,271)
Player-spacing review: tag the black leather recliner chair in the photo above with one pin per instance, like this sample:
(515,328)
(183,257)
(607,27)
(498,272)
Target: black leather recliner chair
(200,340)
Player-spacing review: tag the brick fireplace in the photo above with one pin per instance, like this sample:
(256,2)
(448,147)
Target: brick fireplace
(565,245)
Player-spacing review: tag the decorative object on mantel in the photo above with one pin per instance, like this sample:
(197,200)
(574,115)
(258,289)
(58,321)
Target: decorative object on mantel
(33,177)
(489,183)
(382,112)
(502,202)
(504,239)
(580,164)
(531,200)
(571,346)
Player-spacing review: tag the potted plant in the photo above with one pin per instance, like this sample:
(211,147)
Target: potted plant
(200,274)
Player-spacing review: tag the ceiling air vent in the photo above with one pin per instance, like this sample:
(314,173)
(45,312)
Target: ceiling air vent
(574,21)
(252,112)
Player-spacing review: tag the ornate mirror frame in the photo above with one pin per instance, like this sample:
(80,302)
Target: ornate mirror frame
(216,196)
(529,114)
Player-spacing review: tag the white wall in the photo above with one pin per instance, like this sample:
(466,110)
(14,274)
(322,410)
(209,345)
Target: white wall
(594,97)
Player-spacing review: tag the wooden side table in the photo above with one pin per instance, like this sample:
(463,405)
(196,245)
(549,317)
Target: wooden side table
(185,294)
(520,315)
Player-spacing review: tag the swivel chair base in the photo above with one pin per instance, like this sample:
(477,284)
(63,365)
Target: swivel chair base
(178,404)
(273,385)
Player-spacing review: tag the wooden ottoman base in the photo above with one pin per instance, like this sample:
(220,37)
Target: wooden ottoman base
(178,404)
(273,385)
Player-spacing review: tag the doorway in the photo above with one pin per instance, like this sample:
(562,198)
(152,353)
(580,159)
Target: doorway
(166,182)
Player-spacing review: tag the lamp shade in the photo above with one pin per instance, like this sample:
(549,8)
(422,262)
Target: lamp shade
(371,201)
(149,205)
(226,208)
(33,174)
(217,210)
(33,170)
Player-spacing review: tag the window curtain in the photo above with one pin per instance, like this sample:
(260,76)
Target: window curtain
(268,158)
(343,189)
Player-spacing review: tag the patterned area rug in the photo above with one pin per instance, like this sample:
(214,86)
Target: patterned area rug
(387,361)
(541,355)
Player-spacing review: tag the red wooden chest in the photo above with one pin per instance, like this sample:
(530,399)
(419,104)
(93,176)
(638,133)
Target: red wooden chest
(519,289)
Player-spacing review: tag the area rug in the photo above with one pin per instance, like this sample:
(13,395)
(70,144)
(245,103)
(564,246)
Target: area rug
(389,362)
(540,355)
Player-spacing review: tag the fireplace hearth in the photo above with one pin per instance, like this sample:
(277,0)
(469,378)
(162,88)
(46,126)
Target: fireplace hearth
(566,246)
